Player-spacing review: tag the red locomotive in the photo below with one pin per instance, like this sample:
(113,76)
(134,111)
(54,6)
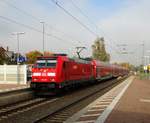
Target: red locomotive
(59,71)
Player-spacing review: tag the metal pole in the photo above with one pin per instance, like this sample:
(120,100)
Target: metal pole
(43,36)
(18,58)
(149,56)
(143,54)
(18,49)
(18,52)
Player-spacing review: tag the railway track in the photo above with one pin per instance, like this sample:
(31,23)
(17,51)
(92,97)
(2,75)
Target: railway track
(63,114)
(11,97)
(20,107)
(54,109)
(16,108)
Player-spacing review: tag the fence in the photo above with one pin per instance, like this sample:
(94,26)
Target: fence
(13,74)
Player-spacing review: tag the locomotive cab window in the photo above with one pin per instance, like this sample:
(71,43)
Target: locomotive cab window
(46,63)
(51,63)
(40,63)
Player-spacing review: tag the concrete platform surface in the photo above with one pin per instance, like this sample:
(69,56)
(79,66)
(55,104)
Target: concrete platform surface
(10,87)
(134,106)
(99,110)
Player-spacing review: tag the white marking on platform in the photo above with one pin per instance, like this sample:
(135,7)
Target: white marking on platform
(103,103)
(108,110)
(99,106)
(104,100)
(89,121)
(101,109)
(107,98)
(118,89)
(88,115)
(145,100)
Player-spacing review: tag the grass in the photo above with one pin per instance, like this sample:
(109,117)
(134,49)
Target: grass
(144,76)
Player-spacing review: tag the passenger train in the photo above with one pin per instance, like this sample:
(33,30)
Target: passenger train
(59,71)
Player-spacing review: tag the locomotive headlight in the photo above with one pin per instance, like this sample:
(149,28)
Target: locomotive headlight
(51,74)
(36,74)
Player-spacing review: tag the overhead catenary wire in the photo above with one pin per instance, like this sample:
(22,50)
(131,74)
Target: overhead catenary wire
(21,10)
(84,14)
(32,28)
(39,20)
(75,18)
(90,20)
(72,38)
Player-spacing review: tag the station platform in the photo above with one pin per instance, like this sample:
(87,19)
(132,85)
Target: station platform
(128,102)
(12,87)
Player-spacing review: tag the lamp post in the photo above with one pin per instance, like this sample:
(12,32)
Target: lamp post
(143,46)
(43,23)
(18,52)
(149,56)
(146,60)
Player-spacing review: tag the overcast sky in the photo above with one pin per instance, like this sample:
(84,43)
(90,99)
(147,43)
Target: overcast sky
(118,21)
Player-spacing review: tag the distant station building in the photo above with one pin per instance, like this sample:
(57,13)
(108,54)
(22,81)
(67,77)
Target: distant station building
(5,54)
(10,57)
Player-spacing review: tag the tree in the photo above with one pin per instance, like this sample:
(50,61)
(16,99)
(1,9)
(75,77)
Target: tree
(3,59)
(99,51)
(32,55)
(125,65)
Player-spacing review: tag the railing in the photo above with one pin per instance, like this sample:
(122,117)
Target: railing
(13,74)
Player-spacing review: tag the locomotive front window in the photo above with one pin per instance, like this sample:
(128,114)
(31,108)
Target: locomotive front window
(46,63)
(51,63)
(41,63)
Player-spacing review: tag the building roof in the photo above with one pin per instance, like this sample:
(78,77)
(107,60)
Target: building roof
(2,51)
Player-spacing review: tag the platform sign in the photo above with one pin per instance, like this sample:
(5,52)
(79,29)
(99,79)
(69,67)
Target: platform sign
(145,68)
(148,67)
(21,59)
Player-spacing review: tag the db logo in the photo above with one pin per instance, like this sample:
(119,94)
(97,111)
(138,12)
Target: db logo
(43,74)
(75,67)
